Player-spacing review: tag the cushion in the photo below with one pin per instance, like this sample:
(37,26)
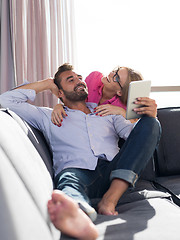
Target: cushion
(37,139)
(168,152)
(25,186)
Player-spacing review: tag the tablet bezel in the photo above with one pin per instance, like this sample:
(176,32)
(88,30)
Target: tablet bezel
(137,89)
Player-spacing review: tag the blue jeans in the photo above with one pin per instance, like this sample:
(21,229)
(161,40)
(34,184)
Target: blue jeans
(83,184)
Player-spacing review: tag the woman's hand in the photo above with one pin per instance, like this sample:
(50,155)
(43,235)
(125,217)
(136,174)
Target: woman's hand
(108,109)
(58,114)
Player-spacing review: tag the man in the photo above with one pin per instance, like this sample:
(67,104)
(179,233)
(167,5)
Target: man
(87,160)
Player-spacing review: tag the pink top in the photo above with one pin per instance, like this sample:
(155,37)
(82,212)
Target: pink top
(95,86)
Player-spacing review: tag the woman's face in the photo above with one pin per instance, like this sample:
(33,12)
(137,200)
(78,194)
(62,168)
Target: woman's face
(116,79)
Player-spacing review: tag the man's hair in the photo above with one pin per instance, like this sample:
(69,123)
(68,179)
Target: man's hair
(63,68)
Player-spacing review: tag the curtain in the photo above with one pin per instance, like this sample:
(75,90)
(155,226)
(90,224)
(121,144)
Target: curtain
(7,80)
(42,39)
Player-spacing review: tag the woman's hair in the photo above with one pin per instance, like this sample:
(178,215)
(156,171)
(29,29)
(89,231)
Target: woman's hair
(132,76)
(63,68)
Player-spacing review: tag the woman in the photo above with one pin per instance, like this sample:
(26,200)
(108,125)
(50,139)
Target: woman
(109,92)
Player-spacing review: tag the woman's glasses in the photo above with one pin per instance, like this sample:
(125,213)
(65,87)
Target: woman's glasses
(116,78)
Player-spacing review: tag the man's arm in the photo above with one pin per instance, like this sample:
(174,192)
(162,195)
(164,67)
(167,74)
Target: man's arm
(17,101)
(40,86)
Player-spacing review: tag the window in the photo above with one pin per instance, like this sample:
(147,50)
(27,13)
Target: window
(143,35)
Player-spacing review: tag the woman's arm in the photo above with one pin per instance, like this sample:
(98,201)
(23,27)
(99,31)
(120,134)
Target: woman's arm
(108,109)
(58,114)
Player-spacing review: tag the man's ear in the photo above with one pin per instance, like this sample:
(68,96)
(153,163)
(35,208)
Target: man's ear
(61,93)
(119,93)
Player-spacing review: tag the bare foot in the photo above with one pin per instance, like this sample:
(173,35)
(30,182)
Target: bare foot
(110,199)
(106,208)
(67,217)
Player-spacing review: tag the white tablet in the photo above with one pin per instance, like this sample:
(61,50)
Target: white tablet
(137,89)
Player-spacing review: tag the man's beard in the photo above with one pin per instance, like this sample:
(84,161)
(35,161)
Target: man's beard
(76,96)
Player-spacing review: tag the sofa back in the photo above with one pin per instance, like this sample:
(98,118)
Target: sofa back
(38,140)
(168,152)
(166,159)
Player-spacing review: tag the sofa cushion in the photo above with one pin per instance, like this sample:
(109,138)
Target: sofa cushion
(146,219)
(172,183)
(168,152)
(37,139)
(20,217)
(25,185)
(26,160)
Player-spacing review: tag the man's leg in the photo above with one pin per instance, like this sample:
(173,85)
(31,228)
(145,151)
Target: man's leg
(130,161)
(76,183)
(66,215)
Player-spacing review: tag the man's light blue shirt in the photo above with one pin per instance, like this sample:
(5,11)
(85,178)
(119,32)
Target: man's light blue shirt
(82,138)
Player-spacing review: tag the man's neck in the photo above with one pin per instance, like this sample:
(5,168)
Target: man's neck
(81,106)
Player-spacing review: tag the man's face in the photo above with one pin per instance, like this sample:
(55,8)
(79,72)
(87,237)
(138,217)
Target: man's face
(73,88)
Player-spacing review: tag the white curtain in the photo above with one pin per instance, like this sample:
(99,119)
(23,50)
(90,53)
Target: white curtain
(42,39)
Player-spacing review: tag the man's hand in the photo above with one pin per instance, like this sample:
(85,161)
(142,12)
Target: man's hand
(149,106)
(53,87)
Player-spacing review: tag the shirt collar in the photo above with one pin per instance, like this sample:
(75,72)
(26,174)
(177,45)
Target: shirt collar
(113,99)
(100,89)
(90,105)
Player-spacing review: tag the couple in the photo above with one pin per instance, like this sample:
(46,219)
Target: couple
(87,161)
